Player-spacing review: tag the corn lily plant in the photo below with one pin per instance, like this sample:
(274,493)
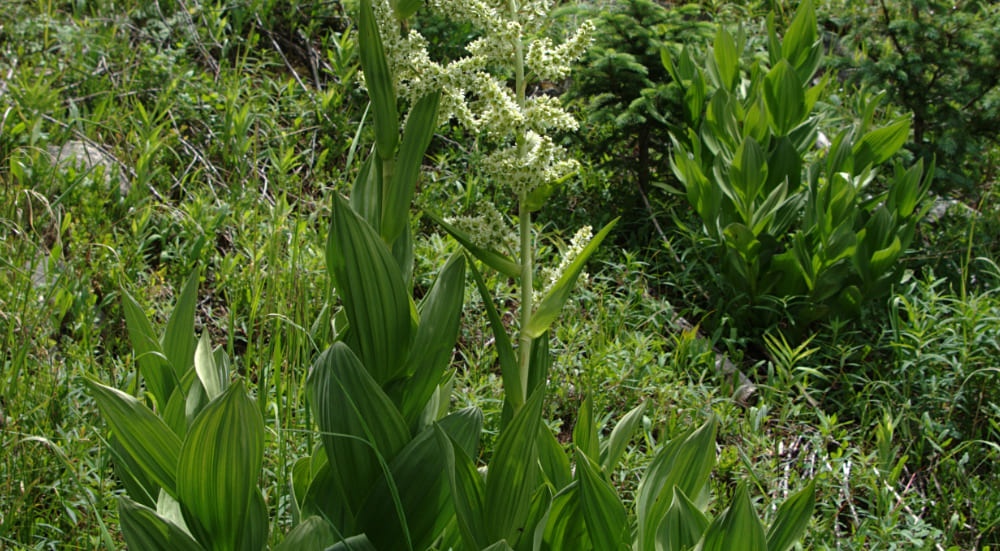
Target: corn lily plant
(394,470)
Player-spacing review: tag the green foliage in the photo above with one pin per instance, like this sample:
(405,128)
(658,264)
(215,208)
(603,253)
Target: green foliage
(789,223)
(940,61)
(191,467)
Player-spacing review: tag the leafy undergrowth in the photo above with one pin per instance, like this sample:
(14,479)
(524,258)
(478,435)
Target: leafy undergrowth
(232,127)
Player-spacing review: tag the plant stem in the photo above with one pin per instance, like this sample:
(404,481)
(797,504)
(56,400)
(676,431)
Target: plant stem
(524,226)
(527,275)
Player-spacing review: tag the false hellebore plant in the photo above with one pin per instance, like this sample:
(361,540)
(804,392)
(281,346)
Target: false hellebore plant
(394,470)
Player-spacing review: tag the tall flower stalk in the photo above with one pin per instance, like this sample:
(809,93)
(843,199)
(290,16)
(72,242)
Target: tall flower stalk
(514,129)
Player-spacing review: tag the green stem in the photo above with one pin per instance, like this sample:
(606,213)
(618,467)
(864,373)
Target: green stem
(524,227)
(527,275)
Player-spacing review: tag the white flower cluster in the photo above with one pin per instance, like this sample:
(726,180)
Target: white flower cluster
(480,100)
(487,229)
(576,245)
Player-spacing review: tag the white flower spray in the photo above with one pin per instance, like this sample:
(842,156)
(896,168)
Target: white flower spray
(475,93)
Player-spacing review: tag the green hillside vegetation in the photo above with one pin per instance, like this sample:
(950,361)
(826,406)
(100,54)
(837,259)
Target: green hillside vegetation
(367,275)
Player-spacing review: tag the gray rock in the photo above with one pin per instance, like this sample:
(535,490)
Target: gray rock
(83,156)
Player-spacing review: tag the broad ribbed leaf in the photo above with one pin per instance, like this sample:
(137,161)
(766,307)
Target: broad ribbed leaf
(491,258)
(371,286)
(880,144)
(420,488)
(683,462)
(366,193)
(464,427)
(420,127)
(218,468)
(253,535)
(602,510)
(312,534)
(467,490)
(799,39)
(534,528)
(683,526)
(146,531)
(553,459)
(501,342)
(727,59)
(153,365)
(550,306)
(884,258)
(513,472)
(737,528)
(565,529)
(381,87)
(440,314)
(178,339)
(792,518)
(144,436)
(501,545)
(585,432)
(748,174)
(213,377)
(785,98)
(353,543)
(347,402)
(620,437)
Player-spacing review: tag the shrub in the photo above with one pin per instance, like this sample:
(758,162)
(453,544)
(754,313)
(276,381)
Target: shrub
(792,225)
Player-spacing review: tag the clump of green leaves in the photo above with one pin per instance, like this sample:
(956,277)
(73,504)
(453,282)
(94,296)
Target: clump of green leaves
(817,228)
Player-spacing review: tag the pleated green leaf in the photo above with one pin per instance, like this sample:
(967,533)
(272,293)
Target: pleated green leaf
(792,519)
(220,462)
(381,87)
(534,529)
(153,364)
(359,423)
(683,526)
(353,543)
(178,339)
(496,260)
(501,342)
(366,193)
(213,377)
(144,530)
(550,306)
(421,486)
(602,510)
(785,98)
(312,534)
(371,286)
(877,146)
(737,528)
(513,472)
(620,437)
(501,545)
(464,427)
(553,459)
(727,58)
(417,136)
(585,431)
(565,528)
(685,462)
(139,487)
(147,440)
(440,314)
(467,490)
(253,535)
